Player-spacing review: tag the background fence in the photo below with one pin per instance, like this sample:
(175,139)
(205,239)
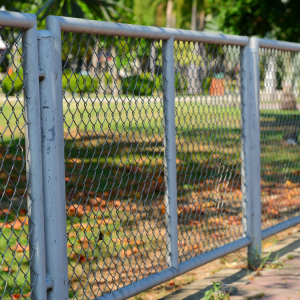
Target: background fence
(179,147)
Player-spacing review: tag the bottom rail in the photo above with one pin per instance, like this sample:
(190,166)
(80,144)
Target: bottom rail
(163,276)
(280,227)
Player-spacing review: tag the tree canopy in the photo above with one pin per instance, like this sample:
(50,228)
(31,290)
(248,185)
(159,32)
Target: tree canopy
(264,18)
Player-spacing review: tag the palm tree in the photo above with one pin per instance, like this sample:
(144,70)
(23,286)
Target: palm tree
(90,9)
(169,13)
(197,23)
(95,9)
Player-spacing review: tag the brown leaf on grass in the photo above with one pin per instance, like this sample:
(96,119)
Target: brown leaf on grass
(126,252)
(22,212)
(215,221)
(16,296)
(197,246)
(195,223)
(84,242)
(130,207)
(117,203)
(106,194)
(5,211)
(135,250)
(192,247)
(16,225)
(267,245)
(9,191)
(75,210)
(27,295)
(217,235)
(19,248)
(6,269)
(105,221)
(73,256)
(82,258)
(234,220)
(69,245)
(100,202)
(171,283)
(139,242)
(71,211)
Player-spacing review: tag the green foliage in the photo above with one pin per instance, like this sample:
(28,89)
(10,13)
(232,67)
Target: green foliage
(81,84)
(263,18)
(12,84)
(18,5)
(149,6)
(96,9)
(215,293)
(142,85)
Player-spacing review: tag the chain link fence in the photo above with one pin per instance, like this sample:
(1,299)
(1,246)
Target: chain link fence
(208,135)
(280,120)
(113,114)
(160,160)
(14,232)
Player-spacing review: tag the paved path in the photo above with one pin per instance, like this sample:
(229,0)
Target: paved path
(274,284)
(282,283)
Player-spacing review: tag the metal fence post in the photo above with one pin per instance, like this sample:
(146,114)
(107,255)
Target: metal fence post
(53,25)
(34,165)
(55,216)
(170,152)
(251,149)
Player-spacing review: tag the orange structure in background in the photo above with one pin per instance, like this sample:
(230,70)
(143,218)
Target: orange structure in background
(217,87)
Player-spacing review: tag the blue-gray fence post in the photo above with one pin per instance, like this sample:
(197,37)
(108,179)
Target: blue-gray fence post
(34,163)
(170,152)
(54,197)
(251,149)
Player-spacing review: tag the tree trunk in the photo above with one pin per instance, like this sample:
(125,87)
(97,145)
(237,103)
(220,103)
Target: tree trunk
(152,57)
(169,14)
(202,20)
(95,60)
(194,16)
(114,84)
(103,84)
(193,69)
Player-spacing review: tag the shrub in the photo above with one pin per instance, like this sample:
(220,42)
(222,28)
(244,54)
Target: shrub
(143,85)
(81,84)
(205,84)
(13,84)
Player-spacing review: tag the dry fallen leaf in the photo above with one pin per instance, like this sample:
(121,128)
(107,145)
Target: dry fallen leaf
(19,248)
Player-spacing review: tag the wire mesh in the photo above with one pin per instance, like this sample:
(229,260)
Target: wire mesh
(113,116)
(280,120)
(14,233)
(208,129)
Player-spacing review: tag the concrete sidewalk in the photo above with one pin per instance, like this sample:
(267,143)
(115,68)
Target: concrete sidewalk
(280,283)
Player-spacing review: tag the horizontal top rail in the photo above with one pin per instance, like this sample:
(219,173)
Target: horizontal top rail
(17,20)
(279,45)
(137,31)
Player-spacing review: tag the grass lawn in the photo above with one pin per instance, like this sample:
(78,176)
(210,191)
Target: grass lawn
(115,187)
